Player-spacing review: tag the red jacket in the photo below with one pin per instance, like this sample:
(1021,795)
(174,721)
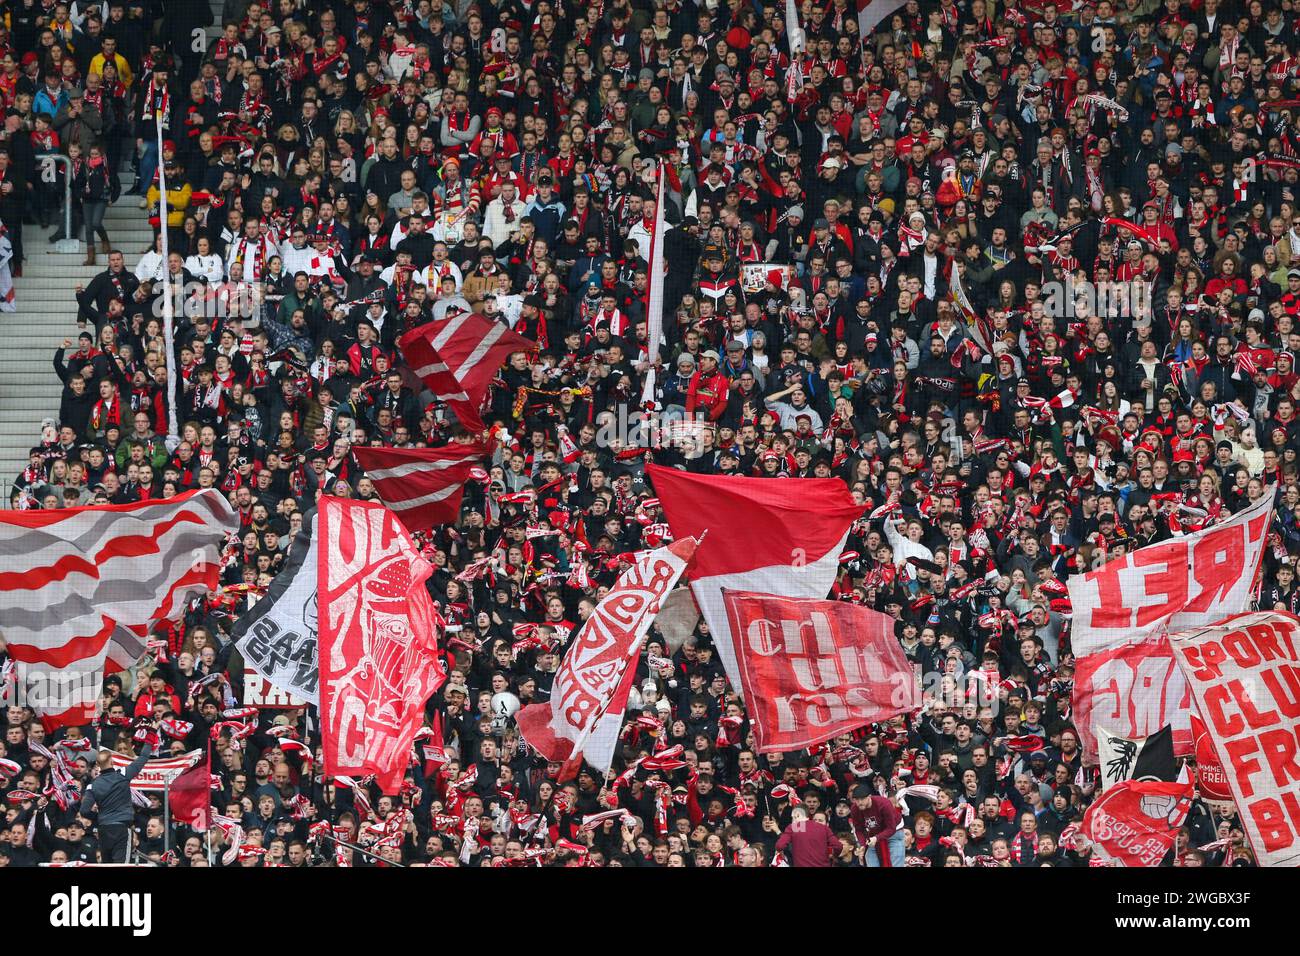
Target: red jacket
(708,393)
(809,843)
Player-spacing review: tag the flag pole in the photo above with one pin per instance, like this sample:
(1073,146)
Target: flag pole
(167,815)
(655,292)
(169,332)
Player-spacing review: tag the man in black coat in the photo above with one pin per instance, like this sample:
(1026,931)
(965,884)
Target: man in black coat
(110,792)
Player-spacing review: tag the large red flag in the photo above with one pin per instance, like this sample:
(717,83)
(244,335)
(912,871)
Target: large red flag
(378,633)
(766,535)
(424,486)
(190,796)
(590,690)
(1135,822)
(813,669)
(457,357)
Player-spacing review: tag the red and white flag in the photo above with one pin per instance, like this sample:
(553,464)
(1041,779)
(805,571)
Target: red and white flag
(590,690)
(1135,822)
(1189,581)
(1210,775)
(764,535)
(378,632)
(1131,691)
(190,796)
(812,669)
(457,357)
(80,587)
(157,772)
(1244,673)
(423,486)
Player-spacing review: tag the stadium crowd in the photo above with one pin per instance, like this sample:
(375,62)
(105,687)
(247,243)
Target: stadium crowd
(1028,271)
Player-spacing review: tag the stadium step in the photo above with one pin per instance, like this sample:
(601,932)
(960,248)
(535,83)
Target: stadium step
(47,314)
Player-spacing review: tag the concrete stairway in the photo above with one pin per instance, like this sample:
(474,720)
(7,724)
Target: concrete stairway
(47,314)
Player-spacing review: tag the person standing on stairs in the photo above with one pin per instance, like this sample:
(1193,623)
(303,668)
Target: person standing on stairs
(92,186)
(154,97)
(13,200)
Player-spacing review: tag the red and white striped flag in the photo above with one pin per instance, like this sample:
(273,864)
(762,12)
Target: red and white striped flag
(80,588)
(423,486)
(457,357)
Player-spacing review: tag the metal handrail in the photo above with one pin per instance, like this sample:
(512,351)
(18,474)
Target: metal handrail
(69,242)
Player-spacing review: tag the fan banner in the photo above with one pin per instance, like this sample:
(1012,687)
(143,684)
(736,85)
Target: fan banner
(158,772)
(1135,822)
(812,669)
(1244,673)
(277,638)
(1191,581)
(1131,691)
(591,688)
(378,633)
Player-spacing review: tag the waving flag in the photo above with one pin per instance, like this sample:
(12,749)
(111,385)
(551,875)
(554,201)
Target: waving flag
(966,309)
(767,536)
(1188,581)
(423,486)
(591,687)
(813,669)
(1148,758)
(278,636)
(82,586)
(1135,822)
(378,630)
(872,12)
(191,795)
(457,357)
(1245,675)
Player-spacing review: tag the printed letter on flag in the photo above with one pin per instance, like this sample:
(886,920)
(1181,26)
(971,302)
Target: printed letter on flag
(766,536)
(590,690)
(278,636)
(1125,681)
(82,586)
(1131,691)
(458,357)
(423,486)
(814,669)
(378,631)
(1245,676)
(1184,582)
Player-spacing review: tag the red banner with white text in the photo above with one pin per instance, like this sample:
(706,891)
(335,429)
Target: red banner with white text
(1190,581)
(813,669)
(1245,675)
(1131,691)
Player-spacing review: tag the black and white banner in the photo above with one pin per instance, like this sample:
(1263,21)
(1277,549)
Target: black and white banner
(278,635)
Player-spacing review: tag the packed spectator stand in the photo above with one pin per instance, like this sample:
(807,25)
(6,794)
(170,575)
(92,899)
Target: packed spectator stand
(1020,274)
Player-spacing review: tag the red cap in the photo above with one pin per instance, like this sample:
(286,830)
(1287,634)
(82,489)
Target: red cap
(169,145)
